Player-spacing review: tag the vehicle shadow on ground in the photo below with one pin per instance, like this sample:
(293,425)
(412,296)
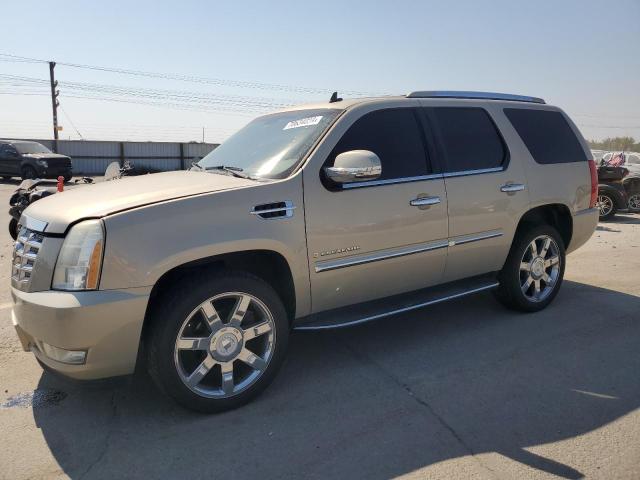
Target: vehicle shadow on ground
(11,181)
(628,218)
(379,400)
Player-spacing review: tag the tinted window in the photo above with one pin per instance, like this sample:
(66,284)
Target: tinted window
(469,137)
(393,135)
(547,135)
(31,147)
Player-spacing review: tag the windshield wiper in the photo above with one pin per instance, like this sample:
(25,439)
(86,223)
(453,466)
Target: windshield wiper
(235,171)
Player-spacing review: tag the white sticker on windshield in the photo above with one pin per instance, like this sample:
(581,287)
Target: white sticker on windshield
(303,122)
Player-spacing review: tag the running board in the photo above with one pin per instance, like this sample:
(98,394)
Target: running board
(386,307)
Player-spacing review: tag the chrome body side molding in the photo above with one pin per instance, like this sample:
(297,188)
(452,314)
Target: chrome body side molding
(334,264)
(327,265)
(461,240)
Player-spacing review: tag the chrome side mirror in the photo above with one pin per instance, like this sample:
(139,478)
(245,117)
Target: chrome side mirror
(354,166)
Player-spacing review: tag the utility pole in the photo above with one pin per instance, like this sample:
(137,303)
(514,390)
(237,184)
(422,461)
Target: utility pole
(54,104)
(202,134)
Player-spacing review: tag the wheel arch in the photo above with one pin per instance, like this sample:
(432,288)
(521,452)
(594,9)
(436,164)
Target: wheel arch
(268,265)
(557,215)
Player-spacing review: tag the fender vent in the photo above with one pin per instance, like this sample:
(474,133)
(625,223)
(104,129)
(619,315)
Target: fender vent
(273,211)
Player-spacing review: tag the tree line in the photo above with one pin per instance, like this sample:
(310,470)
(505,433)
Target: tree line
(627,144)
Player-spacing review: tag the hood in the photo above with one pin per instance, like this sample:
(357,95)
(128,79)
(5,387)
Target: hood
(100,199)
(45,156)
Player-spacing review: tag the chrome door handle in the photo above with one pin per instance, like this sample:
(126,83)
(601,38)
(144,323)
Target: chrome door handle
(512,187)
(424,201)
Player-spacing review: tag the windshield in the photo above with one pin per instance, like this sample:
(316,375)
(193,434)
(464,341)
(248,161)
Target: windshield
(271,146)
(31,147)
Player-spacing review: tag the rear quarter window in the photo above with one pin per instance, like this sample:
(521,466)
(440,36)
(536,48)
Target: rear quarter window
(547,135)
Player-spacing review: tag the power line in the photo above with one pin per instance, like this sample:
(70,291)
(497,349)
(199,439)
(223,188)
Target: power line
(70,121)
(198,79)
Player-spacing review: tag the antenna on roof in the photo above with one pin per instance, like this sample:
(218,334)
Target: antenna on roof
(334,98)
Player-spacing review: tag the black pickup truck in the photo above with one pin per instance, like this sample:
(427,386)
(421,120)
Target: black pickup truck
(29,160)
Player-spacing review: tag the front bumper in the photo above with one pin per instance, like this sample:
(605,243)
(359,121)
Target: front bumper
(106,324)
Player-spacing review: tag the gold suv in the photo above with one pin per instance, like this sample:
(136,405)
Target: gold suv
(318,217)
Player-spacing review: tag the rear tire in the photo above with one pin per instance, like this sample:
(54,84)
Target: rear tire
(607,205)
(28,172)
(217,341)
(531,277)
(634,202)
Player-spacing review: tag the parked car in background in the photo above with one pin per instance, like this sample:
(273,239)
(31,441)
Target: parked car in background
(29,160)
(630,162)
(318,217)
(612,195)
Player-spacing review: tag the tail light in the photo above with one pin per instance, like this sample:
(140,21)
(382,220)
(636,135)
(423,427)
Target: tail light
(594,183)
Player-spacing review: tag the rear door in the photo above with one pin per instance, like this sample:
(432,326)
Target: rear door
(373,239)
(486,189)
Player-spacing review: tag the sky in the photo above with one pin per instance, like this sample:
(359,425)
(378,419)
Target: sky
(243,59)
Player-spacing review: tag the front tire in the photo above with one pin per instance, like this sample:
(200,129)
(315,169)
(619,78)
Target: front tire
(218,341)
(634,202)
(13,228)
(28,172)
(532,275)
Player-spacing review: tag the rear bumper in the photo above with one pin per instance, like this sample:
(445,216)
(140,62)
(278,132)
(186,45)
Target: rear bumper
(105,324)
(584,224)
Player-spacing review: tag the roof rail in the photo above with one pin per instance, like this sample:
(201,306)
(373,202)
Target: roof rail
(477,95)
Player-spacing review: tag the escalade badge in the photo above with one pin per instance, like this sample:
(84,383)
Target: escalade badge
(336,251)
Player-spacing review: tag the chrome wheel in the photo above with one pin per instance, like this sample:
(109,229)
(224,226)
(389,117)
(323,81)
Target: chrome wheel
(539,268)
(225,345)
(605,204)
(634,201)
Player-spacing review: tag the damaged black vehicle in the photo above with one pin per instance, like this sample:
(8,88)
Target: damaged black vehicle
(30,191)
(28,160)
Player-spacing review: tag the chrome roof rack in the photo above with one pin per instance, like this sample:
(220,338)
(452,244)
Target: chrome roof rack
(477,95)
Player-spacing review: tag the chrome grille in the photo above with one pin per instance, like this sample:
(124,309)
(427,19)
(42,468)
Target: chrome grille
(25,254)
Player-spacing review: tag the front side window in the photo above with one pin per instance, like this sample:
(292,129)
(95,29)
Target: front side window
(547,135)
(394,136)
(31,147)
(469,138)
(273,145)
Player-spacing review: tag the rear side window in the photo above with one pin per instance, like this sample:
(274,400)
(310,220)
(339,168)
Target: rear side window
(469,137)
(392,134)
(547,135)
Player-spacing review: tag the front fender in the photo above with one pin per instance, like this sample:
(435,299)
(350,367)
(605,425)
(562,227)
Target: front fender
(143,244)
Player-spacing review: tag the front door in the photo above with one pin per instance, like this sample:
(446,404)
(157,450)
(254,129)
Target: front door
(376,238)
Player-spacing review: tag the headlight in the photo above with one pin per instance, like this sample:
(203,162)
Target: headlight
(42,163)
(80,259)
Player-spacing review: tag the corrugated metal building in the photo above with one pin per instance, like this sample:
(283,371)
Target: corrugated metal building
(91,157)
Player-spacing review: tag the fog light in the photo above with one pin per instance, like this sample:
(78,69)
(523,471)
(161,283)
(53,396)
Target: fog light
(73,357)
